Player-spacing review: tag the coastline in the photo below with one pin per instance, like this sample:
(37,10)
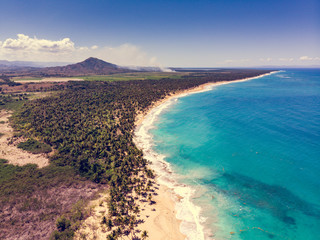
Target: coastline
(201,88)
(183,216)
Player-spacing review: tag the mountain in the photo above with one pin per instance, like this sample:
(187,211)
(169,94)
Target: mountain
(90,66)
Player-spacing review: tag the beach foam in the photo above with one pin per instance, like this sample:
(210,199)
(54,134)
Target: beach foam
(191,224)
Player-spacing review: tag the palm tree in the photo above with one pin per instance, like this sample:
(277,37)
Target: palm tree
(144,234)
(109,224)
(131,227)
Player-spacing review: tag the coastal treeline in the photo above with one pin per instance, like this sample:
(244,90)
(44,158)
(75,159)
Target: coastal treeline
(90,126)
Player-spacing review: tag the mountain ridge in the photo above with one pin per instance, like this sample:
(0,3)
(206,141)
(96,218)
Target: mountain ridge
(90,66)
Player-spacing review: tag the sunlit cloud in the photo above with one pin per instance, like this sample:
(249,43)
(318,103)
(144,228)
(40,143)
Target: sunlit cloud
(307,58)
(26,48)
(304,58)
(286,59)
(25,43)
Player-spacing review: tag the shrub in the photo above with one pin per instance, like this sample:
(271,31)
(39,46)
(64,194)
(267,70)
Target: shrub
(63,224)
(33,146)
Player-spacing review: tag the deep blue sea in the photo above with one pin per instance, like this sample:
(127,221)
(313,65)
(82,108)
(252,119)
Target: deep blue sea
(251,153)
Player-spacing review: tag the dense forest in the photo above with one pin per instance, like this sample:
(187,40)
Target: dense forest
(90,125)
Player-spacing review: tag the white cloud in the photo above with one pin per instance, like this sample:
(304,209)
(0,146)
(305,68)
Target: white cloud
(33,49)
(286,59)
(83,48)
(304,58)
(25,43)
(307,58)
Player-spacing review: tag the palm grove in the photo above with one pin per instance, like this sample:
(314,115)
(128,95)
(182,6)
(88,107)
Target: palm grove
(90,126)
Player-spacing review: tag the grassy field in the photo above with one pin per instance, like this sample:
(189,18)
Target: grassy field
(134,76)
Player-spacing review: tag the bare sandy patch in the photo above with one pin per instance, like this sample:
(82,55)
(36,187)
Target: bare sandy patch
(10,151)
(92,228)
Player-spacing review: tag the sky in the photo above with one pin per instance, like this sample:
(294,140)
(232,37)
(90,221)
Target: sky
(168,33)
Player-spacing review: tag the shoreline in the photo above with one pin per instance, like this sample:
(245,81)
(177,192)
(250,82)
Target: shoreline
(201,88)
(190,223)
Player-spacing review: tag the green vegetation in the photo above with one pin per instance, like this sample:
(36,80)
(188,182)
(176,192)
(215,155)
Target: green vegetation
(144,235)
(12,101)
(134,76)
(33,146)
(16,180)
(90,125)
(64,232)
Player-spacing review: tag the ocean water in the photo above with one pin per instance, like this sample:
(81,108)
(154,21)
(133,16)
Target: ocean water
(244,157)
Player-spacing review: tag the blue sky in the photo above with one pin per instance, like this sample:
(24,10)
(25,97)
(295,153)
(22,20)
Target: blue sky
(186,33)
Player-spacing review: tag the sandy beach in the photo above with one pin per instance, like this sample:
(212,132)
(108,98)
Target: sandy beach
(173,197)
(159,220)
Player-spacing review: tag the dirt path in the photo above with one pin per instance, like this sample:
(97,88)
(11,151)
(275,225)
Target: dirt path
(10,152)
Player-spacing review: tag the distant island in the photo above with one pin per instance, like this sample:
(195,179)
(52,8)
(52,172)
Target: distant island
(76,160)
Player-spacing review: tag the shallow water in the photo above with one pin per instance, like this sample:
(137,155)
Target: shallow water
(246,155)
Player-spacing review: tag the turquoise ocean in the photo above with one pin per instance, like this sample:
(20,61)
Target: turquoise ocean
(244,157)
